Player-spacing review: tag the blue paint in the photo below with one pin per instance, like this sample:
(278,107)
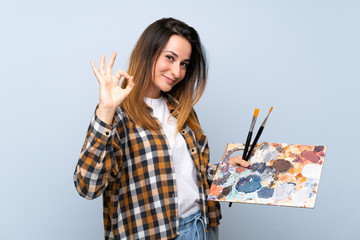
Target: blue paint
(265,192)
(249,184)
(258,167)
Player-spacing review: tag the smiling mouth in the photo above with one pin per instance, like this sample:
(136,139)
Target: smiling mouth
(169,80)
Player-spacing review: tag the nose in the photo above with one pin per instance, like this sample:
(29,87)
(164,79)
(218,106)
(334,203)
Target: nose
(176,71)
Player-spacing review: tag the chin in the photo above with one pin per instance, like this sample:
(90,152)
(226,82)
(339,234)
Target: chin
(166,89)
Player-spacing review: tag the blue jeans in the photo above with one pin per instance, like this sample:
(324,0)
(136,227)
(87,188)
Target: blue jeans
(192,228)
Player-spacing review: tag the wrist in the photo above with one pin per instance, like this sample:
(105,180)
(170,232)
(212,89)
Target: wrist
(106,109)
(105,114)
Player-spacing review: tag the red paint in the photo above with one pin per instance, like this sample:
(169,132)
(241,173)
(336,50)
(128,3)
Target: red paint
(311,156)
(240,169)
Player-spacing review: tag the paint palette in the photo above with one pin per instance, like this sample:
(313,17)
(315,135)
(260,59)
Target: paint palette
(279,174)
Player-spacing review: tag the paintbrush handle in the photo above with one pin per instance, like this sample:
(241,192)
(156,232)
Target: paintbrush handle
(247,145)
(255,142)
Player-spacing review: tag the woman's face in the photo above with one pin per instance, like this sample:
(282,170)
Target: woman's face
(170,67)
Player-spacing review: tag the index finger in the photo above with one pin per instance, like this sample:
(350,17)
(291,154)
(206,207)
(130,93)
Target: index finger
(96,72)
(110,64)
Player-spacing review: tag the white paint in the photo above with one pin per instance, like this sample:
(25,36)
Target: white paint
(301,196)
(264,155)
(257,158)
(311,171)
(283,191)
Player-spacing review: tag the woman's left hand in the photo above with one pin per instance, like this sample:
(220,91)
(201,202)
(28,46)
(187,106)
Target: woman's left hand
(238,161)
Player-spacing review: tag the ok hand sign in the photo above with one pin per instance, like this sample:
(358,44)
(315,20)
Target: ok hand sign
(111,94)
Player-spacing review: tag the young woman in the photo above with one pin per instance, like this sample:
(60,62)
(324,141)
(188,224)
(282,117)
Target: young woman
(145,151)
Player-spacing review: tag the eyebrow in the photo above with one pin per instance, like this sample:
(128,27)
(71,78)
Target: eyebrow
(185,60)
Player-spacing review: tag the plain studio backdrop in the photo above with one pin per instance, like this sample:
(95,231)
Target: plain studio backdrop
(302,57)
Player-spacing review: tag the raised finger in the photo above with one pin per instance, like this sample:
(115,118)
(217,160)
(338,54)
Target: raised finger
(110,64)
(96,72)
(102,64)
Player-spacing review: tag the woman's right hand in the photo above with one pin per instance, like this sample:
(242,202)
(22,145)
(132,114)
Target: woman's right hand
(111,94)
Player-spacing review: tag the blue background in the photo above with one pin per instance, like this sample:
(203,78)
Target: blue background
(302,57)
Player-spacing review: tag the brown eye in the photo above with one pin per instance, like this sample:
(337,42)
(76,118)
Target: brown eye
(171,58)
(184,65)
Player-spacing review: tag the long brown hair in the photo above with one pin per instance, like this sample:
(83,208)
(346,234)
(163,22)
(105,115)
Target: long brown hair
(187,92)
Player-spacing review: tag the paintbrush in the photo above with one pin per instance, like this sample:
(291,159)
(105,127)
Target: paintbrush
(256,112)
(258,136)
(246,155)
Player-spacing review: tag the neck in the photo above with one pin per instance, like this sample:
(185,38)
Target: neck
(153,93)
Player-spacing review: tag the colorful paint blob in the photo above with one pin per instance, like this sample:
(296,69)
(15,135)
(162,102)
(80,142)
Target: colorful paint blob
(265,192)
(279,174)
(249,184)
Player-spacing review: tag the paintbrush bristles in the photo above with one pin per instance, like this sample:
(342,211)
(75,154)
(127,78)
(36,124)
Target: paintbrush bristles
(256,113)
(271,109)
(264,122)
